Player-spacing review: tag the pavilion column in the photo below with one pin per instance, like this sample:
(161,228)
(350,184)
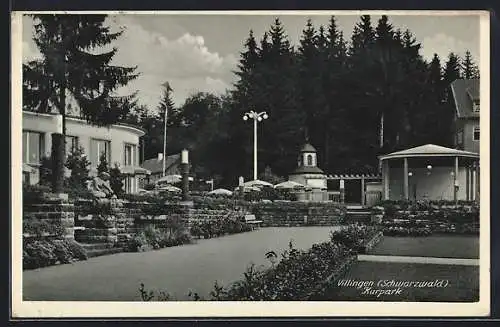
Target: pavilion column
(477,182)
(363,190)
(455,181)
(405,179)
(467,183)
(385,174)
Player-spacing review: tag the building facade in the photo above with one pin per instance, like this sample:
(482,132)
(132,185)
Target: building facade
(155,167)
(467,113)
(119,143)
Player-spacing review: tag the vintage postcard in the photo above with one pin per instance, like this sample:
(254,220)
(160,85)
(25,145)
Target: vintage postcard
(250,164)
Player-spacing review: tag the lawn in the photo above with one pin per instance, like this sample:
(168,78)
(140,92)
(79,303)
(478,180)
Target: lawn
(463,283)
(176,270)
(441,246)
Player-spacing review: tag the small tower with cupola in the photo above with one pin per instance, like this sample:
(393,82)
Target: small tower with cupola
(310,175)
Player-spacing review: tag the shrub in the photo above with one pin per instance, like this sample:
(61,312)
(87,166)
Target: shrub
(79,165)
(116,180)
(354,236)
(43,253)
(136,243)
(39,228)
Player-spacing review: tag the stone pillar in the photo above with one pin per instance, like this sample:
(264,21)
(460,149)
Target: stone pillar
(57,156)
(405,179)
(185,175)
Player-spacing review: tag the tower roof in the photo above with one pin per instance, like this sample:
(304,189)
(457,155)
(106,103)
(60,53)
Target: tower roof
(307,148)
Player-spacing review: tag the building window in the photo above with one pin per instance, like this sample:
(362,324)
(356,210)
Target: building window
(475,106)
(309,160)
(129,182)
(33,147)
(130,155)
(71,144)
(475,136)
(97,148)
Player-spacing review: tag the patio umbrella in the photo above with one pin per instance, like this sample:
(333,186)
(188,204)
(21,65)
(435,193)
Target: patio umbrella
(257,183)
(170,188)
(221,191)
(172,179)
(249,189)
(289,185)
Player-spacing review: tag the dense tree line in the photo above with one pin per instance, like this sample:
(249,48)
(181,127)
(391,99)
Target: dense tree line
(352,99)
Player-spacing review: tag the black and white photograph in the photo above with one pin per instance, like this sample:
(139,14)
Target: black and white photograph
(250,163)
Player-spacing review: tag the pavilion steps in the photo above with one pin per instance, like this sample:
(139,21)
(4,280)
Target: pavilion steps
(358,213)
(100,249)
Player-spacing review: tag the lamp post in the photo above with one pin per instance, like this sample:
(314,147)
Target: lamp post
(185,174)
(257,117)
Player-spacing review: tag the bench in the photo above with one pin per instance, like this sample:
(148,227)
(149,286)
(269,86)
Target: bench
(250,219)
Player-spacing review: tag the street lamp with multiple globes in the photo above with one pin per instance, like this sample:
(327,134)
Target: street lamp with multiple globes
(257,117)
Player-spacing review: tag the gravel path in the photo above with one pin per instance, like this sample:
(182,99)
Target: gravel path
(117,277)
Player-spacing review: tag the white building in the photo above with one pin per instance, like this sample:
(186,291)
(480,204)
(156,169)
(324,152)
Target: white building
(119,142)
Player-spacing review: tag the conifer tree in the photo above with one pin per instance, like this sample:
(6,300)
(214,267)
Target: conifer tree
(71,67)
(103,166)
(469,67)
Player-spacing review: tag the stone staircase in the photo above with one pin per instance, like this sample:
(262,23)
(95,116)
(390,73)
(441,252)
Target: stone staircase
(358,213)
(99,249)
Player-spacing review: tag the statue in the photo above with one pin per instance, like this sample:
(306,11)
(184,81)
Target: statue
(100,187)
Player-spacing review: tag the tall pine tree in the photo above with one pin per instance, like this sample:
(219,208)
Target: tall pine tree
(70,66)
(469,67)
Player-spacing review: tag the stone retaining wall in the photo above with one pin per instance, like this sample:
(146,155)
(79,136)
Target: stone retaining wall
(298,214)
(56,210)
(113,221)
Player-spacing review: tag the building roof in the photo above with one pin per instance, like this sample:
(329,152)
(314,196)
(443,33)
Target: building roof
(136,129)
(465,91)
(429,150)
(156,166)
(307,148)
(307,170)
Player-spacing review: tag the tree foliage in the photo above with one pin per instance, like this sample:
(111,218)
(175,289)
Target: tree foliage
(73,68)
(352,99)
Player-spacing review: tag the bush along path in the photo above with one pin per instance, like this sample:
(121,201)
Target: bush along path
(298,275)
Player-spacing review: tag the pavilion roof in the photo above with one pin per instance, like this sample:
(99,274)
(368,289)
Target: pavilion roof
(429,150)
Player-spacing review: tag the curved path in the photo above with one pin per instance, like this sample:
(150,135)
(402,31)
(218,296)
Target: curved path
(427,260)
(177,269)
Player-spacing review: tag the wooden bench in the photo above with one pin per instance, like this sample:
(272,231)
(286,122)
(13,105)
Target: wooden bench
(250,219)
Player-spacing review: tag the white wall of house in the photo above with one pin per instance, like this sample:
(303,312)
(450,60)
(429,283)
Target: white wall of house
(117,135)
(438,185)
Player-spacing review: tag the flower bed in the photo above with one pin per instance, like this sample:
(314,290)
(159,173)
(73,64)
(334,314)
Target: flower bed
(403,218)
(156,238)
(39,253)
(419,227)
(360,238)
(230,224)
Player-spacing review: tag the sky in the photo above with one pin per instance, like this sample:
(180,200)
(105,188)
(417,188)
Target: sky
(200,52)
